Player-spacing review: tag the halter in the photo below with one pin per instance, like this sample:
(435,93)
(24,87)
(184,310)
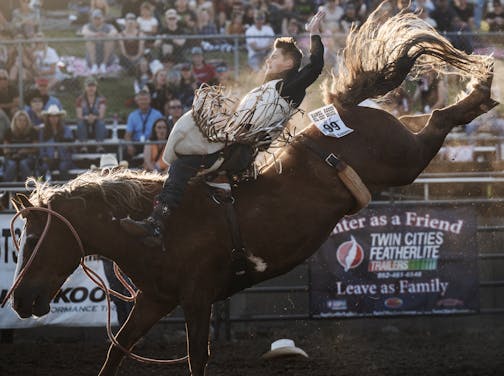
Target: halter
(95,277)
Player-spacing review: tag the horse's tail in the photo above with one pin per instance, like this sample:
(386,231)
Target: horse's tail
(379,56)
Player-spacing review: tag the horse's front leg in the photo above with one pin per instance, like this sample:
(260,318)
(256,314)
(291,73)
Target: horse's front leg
(144,315)
(197,316)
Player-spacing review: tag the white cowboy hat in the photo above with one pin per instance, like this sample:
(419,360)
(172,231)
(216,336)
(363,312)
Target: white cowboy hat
(54,110)
(109,161)
(283,347)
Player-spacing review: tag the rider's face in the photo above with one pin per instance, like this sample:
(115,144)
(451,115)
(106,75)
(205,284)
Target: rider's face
(277,62)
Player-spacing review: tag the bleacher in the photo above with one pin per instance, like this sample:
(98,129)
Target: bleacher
(465,167)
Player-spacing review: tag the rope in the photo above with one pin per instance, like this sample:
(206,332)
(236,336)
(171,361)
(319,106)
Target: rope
(95,277)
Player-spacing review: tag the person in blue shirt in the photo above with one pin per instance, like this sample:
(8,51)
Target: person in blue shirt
(42,85)
(140,122)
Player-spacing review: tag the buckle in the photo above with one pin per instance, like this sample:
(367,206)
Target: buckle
(332,160)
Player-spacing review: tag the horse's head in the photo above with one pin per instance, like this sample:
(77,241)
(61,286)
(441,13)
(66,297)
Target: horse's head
(57,257)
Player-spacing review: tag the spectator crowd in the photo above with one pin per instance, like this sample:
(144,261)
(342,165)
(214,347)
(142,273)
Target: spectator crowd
(150,41)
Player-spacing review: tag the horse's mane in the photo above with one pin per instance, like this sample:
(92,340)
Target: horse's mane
(117,188)
(379,55)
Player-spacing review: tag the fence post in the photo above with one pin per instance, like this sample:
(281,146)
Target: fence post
(20,73)
(236,58)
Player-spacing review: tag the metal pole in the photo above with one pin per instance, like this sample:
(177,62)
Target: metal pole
(20,74)
(236,58)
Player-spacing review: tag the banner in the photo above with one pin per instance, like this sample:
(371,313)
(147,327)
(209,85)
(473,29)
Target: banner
(398,261)
(79,302)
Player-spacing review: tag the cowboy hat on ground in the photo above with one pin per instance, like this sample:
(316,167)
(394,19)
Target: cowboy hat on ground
(283,347)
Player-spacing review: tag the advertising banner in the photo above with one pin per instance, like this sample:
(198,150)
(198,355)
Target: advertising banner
(79,302)
(398,260)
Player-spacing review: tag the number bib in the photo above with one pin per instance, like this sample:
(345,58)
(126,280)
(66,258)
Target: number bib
(329,122)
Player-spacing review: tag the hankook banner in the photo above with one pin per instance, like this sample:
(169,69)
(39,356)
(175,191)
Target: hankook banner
(398,260)
(78,303)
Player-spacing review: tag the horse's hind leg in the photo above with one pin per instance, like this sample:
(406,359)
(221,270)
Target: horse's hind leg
(197,318)
(144,315)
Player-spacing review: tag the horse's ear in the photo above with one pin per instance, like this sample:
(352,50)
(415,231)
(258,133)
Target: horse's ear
(20,201)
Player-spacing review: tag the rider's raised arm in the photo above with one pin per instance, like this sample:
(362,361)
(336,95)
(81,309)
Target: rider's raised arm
(295,85)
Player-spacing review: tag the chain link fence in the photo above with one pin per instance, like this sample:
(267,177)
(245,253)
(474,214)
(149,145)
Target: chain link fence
(24,60)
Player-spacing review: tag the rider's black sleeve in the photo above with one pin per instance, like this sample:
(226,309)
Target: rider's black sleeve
(294,86)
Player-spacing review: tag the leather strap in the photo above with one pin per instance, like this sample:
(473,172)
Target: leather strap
(346,173)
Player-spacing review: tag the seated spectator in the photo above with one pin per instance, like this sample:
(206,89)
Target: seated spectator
(447,20)
(46,61)
(203,73)
(132,49)
(235,26)
(175,110)
(349,18)
(258,48)
(495,18)
(42,84)
(4,24)
(157,87)
(9,96)
(147,23)
(26,60)
(185,88)
(4,125)
(99,53)
(431,92)
(55,157)
(206,26)
(20,163)
(172,46)
(306,9)
(35,107)
(90,108)
(153,153)
(143,75)
(333,13)
(139,125)
(4,51)
(465,12)
(186,14)
(24,19)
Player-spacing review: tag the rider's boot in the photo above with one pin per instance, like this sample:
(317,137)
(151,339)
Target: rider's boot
(151,229)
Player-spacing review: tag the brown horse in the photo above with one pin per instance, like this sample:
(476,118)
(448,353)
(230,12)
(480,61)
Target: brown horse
(284,218)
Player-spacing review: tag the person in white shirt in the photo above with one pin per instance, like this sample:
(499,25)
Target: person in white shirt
(258,43)
(147,23)
(46,61)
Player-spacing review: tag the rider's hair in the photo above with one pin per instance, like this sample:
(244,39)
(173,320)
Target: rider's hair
(290,49)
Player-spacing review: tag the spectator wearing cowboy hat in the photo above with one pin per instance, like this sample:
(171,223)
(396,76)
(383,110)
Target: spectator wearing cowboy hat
(90,108)
(55,157)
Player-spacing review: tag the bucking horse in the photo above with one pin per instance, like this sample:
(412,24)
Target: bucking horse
(284,218)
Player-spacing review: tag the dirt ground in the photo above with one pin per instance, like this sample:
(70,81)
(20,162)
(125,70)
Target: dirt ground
(469,346)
